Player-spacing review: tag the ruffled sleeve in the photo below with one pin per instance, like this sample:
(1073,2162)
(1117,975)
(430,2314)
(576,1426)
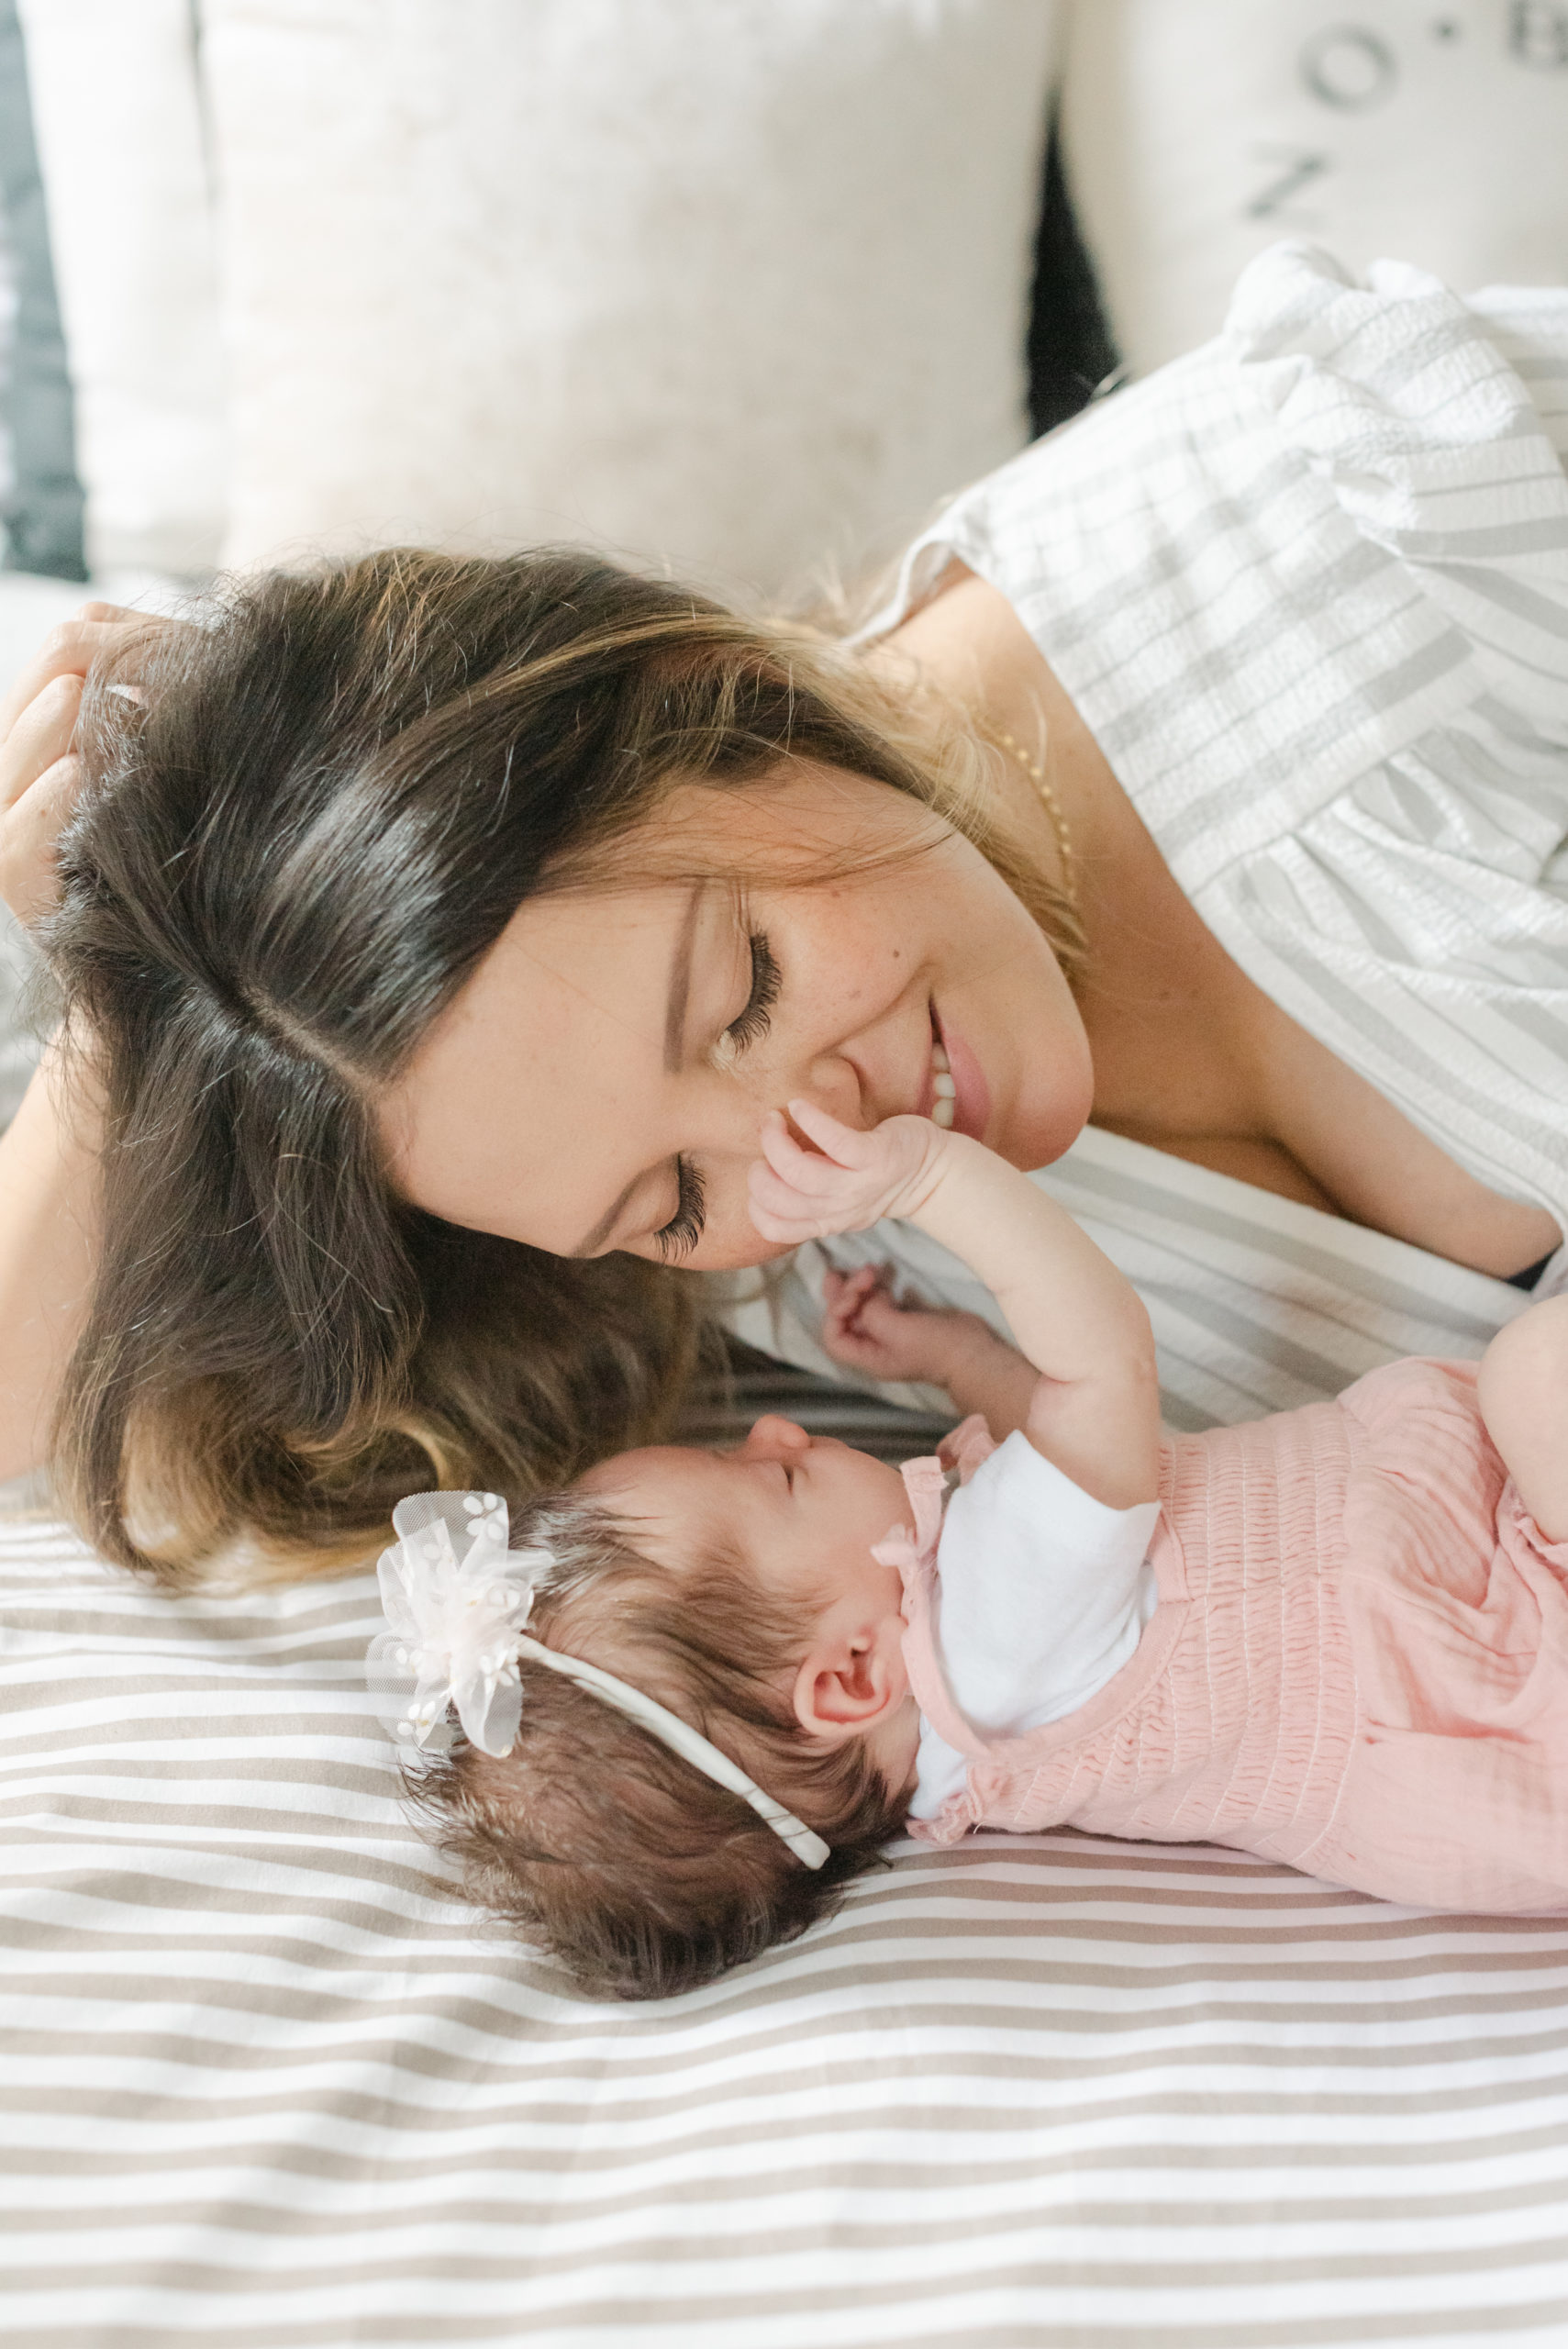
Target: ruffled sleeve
(1400,401)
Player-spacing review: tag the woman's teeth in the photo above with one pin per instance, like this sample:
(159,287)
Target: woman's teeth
(945,1090)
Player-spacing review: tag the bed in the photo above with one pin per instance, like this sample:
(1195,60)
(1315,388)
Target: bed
(266,2081)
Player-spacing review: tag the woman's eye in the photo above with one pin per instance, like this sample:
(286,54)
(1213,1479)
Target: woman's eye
(679,1235)
(765,982)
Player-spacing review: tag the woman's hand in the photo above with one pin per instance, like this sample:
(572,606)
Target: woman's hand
(39,772)
(848,1181)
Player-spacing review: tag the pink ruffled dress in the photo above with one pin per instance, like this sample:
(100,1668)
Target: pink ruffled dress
(1358,1664)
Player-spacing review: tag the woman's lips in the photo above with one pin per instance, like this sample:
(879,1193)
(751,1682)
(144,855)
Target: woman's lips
(972,1095)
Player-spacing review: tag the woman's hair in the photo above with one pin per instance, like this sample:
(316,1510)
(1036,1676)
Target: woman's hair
(597,1842)
(300,832)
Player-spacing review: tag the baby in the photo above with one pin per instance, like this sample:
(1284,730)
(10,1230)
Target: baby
(1338,1637)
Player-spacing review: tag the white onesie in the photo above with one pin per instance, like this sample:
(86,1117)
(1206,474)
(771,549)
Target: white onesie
(1043,1594)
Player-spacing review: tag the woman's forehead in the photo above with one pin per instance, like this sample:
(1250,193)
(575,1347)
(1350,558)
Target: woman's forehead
(554,1049)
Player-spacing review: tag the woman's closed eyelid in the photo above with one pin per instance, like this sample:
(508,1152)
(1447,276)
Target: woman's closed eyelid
(753,1019)
(684,1230)
(681,1235)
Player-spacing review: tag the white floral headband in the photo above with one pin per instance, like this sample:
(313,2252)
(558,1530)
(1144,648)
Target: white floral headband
(456,1599)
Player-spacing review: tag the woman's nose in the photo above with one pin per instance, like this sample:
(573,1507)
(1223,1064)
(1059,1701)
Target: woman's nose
(825,1074)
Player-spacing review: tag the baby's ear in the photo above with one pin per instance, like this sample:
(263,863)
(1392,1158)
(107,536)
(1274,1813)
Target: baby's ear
(851,1680)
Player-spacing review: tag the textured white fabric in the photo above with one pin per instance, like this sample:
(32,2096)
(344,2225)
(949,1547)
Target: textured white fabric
(1308,587)
(738,283)
(1043,1593)
(1194,135)
(1258,1303)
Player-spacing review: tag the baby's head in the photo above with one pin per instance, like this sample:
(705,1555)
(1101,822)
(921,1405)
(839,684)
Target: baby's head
(737,1589)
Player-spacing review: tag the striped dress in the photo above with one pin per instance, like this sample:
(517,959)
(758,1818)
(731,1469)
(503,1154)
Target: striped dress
(1309,588)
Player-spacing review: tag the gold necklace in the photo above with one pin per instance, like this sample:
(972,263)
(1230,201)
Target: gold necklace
(1048,799)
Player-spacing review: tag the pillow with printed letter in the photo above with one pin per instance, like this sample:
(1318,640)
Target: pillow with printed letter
(740,284)
(1197,132)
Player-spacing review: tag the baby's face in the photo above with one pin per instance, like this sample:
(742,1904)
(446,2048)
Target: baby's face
(802,1510)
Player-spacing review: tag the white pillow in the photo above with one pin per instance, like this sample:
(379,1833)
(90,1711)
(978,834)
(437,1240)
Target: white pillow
(1197,132)
(736,284)
(118,120)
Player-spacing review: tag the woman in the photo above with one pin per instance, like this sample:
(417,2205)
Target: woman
(441,950)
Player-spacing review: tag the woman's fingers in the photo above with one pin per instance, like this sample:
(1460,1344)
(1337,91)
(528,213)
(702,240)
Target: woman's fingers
(30,836)
(40,736)
(39,774)
(39,780)
(70,651)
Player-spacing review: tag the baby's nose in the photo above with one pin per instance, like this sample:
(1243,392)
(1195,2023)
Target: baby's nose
(774,1438)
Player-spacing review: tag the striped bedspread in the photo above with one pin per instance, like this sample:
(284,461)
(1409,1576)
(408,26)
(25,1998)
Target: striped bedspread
(265,2082)
(1258,1304)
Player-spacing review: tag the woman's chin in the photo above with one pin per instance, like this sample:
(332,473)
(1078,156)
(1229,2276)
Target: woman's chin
(1037,1132)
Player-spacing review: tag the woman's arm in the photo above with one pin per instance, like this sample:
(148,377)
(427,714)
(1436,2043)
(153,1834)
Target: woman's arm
(49,1153)
(49,1250)
(1094,1411)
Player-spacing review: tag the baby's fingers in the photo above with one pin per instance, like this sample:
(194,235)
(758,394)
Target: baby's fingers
(842,1291)
(804,1170)
(845,1295)
(844,1145)
(781,1200)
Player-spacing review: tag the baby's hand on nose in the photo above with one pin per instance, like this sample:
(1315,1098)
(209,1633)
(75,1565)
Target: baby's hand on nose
(848,1181)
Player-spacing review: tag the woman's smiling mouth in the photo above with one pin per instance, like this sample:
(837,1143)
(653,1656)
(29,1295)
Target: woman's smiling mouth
(959,1096)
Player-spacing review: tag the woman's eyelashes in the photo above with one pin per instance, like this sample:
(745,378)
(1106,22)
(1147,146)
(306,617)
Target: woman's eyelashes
(679,1235)
(765,982)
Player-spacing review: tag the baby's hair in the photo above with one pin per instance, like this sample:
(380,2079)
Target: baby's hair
(597,1842)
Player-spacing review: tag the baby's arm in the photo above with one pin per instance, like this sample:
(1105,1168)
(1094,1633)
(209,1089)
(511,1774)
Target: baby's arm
(1523,1391)
(1095,1408)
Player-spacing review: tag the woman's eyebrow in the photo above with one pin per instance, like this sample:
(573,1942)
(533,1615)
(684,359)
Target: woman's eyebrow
(675,1004)
(681,982)
(595,1239)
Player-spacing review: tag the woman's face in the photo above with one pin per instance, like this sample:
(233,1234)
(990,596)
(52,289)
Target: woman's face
(599,1081)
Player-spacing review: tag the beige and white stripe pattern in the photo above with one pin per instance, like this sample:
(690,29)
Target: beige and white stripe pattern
(264,2084)
(1259,1304)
